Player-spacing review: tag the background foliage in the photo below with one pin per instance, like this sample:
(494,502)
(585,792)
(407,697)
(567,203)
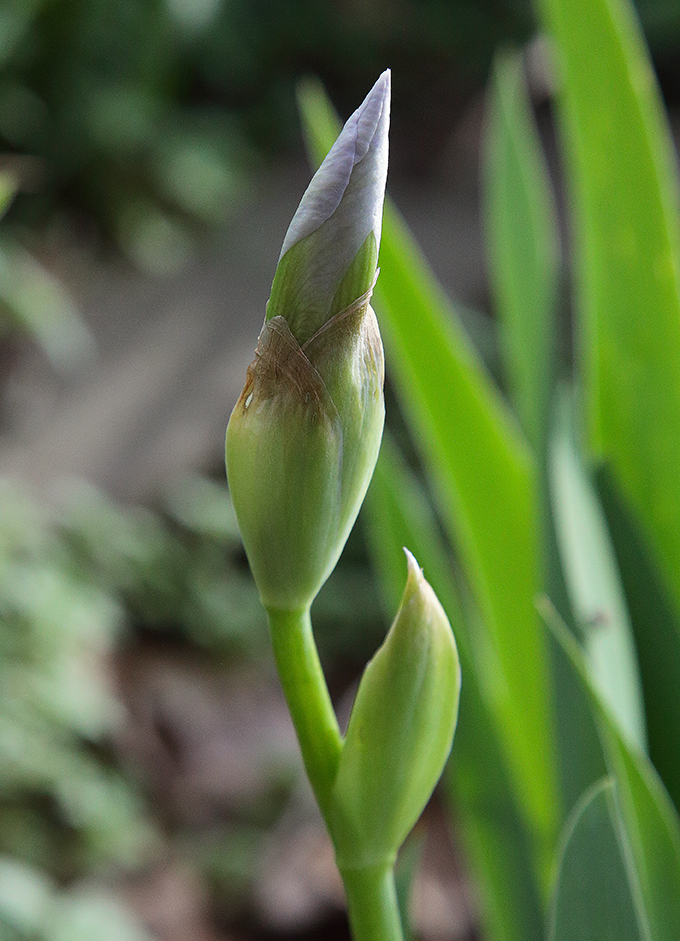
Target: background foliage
(146,116)
(555,479)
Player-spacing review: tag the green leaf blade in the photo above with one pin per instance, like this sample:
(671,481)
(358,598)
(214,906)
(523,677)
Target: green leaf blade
(657,636)
(624,190)
(596,897)
(593,581)
(655,837)
(523,250)
(484,480)
(650,819)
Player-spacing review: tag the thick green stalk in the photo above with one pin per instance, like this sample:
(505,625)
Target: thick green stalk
(372,903)
(309,701)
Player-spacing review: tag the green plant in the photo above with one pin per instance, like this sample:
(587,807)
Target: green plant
(564,490)
(302,443)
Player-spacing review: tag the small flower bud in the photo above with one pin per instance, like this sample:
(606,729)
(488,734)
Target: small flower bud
(304,436)
(400,731)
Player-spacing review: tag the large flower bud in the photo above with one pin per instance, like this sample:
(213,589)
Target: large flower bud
(304,436)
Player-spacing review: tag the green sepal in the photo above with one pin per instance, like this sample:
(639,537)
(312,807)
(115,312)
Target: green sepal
(305,292)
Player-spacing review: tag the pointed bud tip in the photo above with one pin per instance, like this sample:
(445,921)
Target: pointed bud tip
(418,589)
(371,119)
(415,574)
(383,86)
(365,131)
(381,91)
(420,604)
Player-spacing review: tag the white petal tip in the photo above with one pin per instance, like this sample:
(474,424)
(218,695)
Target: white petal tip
(365,131)
(414,570)
(383,86)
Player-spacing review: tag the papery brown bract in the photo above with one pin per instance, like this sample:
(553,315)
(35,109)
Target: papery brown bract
(302,443)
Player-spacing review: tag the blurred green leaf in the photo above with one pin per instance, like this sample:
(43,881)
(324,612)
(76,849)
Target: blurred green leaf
(654,831)
(657,636)
(37,303)
(523,253)
(25,895)
(194,175)
(522,245)
(650,819)
(15,19)
(408,862)
(204,507)
(87,915)
(484,480)
(106,808)
(8,189)
(157,241)
(32,909)
(597,897)
(624,194)
(593,581)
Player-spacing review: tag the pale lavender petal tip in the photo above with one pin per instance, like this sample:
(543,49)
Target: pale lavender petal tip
(364,136)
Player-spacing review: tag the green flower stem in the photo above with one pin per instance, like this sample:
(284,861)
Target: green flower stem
(372,903)
(309,701)
(371,895)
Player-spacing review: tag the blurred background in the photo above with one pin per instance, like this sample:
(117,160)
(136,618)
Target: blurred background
(150,161)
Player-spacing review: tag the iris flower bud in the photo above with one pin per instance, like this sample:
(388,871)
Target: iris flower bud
(400,731)
(304,436)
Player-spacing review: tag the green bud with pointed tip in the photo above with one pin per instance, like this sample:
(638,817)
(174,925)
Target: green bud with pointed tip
(400,731)
(304,436)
